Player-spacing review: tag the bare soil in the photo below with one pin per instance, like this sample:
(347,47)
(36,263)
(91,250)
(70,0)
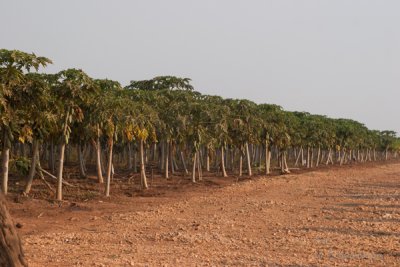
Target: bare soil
(346,216)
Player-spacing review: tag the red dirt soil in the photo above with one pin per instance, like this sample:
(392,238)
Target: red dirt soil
(333,217)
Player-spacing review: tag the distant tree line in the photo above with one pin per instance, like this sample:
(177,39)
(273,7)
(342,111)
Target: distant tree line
(162,123)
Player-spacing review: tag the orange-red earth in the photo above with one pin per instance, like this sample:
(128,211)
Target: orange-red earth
(338,216)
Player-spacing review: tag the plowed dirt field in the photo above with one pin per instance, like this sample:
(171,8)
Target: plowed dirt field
(346,216)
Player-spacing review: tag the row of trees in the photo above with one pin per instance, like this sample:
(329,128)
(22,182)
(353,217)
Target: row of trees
(160,123)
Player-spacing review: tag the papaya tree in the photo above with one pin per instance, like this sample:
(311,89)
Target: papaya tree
(140,124)
(39,117)
(73,88)
(14,65)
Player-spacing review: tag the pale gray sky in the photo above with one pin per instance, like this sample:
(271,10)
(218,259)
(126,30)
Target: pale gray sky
(340,58)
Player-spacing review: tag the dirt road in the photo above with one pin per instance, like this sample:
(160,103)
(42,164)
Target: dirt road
(343,217)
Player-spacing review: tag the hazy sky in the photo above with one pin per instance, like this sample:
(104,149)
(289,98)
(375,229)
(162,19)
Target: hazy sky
(340,58)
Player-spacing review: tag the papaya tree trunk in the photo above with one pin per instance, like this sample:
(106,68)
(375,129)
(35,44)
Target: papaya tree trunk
(184,163)
(232,160)
(298,157)
(342,158)
(248,159)
(143,178)
(109,166)
(241,164)
(171,158)
(166,164)
(318,156)
(175,161)
(281,162)
(60,170)
(312,157)
(99,171)
(82,171)
(11,253)
(329,157)
(223,163)
(267,159)
(259,149)
(61,157)
(4,163)
(130,165)
(162,158)
(208,160)
(199,171)
(154,152)
(284,162)
(32,170)
(194,167)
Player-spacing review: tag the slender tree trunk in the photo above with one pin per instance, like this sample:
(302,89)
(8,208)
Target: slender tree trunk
(267,158)
(143,178)
(240,165)
(248,159)
(11,253)
(259,149)
(103,160)
(175,161)
(298,157)
(312,157)
(166,164)
(130,166)
(162,161)
(154,151)
(329,156)
(184,163)
(281,162)
(171,158)
(208,160)
(32,170)
(60,170)
(97,146)
(199,166)
(223,163)
(226,157)
(233,155)
(61,157)
(194,167)
(85,153)
(109,166)
(81,161)
(342,158)
(285,168)
(5,162)
(318,156)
